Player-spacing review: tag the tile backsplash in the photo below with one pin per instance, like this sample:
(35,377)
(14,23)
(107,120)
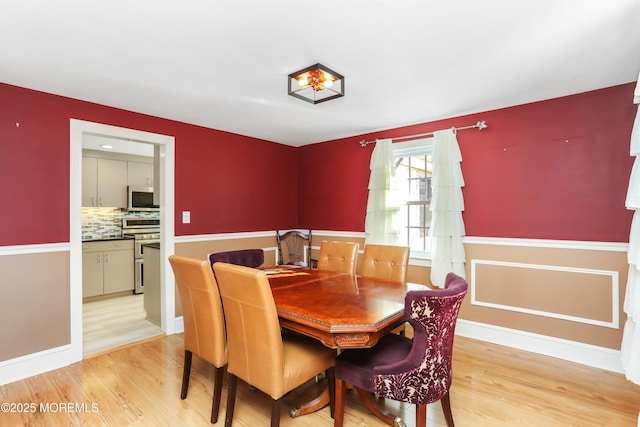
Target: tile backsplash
(106,223)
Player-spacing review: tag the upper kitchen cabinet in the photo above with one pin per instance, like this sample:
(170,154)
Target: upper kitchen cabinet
(89,182)
(106,175)
(140,174)
(104,182)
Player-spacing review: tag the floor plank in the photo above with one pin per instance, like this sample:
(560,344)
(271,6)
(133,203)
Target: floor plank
(492,386)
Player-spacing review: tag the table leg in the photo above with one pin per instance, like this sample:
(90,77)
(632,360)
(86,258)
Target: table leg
(314,405)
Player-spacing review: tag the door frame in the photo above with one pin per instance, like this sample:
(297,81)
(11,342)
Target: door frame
(166,145)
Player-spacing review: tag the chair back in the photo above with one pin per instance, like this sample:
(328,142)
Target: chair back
(294,248)
(253,258)
(253,330)
(338,256)
(204,328)
(386,262)
(426,371)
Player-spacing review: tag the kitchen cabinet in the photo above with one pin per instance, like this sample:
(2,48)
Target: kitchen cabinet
(151,256)
(89,182)
(139,174)
(104,182)
(107,267)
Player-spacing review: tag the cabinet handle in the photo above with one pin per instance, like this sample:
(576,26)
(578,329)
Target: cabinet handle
(106,257)
(93,201)
(100,201)
(148,182)
(99,258)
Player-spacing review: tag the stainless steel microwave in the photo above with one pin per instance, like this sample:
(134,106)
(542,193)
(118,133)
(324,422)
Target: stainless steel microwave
(141,199)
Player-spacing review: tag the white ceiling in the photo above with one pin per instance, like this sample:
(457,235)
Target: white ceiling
(116,145)
(223,64)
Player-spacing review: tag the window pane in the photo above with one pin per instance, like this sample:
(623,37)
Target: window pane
(416,239)
(416,189)
(413,175)
(418,166)
(416,216)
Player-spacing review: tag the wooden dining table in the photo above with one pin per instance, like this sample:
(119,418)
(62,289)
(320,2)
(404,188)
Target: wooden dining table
(339,310)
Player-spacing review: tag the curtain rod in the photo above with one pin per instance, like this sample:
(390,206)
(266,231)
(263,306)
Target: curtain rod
(480,125)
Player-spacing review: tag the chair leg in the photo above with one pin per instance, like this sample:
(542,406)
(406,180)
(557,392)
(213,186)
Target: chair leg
(340,391)
(446,408)
(231,399)
(275,413)
(186,372)
(421,415)
(370,402)
(217,394)
(332,391)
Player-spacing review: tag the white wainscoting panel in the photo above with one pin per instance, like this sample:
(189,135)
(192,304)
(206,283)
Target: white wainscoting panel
(613,275)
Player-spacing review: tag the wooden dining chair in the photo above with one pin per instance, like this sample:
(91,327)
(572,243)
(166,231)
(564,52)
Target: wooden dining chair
(258,353)
(204,328)
(338,256)
(294,248)
(385,262)
(415,371)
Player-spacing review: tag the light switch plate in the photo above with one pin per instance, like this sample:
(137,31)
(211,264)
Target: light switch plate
(186,217)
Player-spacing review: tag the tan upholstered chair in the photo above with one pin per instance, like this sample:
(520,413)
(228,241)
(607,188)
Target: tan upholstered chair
(258,353)
(386,262)
(338,256)
(204,329)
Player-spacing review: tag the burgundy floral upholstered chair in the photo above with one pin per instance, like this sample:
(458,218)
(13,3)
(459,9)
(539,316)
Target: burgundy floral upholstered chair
(416,371)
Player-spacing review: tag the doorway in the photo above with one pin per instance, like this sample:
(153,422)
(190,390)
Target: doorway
(165,151)
(112,315)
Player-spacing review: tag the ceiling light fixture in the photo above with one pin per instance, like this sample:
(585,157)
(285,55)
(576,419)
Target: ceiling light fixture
(316,84)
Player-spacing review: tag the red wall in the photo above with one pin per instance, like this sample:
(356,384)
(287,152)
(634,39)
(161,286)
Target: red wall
(522,178)
(333,182)
(232,183)
(224,179)
(555,169)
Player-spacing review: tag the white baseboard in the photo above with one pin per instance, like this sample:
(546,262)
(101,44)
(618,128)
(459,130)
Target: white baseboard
(597,357)
(34,364)
(44,361)
(179,325)
(585,354)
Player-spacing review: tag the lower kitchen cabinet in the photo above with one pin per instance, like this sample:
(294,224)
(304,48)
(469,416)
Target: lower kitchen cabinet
(152,283)
(107,267)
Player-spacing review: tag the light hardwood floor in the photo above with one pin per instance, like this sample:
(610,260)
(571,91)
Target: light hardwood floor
(492,386)
(112,322)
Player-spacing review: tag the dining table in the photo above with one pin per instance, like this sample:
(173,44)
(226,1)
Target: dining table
(340,310)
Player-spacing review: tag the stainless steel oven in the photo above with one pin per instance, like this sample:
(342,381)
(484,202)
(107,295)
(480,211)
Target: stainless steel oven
(143,231)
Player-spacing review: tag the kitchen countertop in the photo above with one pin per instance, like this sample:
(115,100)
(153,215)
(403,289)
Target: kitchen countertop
(106,239)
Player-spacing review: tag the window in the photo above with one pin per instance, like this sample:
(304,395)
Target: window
(413,183)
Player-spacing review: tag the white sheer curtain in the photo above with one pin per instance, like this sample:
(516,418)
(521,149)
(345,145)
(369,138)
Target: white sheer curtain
(631,338)
(381,226)
(447,204)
